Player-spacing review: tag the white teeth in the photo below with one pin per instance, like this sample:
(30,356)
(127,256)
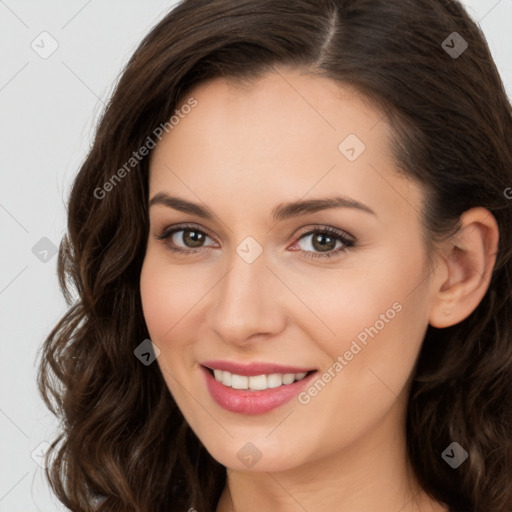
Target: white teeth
(239,381)
(257,382)
(274,380)
(226,378)
(288,378)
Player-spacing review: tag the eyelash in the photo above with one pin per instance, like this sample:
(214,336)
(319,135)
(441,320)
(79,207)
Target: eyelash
(335,233)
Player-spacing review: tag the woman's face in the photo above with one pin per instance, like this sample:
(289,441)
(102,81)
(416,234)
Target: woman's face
(263,282)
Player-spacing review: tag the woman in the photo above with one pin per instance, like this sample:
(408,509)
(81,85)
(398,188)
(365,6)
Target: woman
(291,247)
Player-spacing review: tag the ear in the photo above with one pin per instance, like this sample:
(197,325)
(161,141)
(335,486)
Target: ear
(464,268)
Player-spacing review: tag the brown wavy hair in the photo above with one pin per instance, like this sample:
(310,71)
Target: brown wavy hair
(124,444)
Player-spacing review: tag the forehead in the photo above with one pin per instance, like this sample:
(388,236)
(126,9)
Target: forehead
(286,135)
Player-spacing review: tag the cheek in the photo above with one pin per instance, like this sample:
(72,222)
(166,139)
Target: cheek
(375,316)
(378,333)
(167,295)
(384,289)
(167,292)
(155,299)
(343,303)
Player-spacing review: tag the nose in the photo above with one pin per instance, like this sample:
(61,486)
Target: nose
(248,302)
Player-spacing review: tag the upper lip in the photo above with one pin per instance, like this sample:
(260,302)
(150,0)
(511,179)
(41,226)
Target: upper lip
(253,369)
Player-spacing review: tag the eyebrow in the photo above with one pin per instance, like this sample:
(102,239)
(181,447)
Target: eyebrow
(280,212)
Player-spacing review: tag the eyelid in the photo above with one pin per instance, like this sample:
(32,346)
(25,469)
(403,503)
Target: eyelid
(325,228)
(304,231)
(169,231)
(346,239)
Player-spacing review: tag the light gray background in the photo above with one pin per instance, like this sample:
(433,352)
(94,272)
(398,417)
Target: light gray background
(49,108)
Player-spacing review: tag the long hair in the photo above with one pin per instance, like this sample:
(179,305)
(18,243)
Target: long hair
(122,437)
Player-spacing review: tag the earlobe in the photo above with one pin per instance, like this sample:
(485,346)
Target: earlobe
(465,268)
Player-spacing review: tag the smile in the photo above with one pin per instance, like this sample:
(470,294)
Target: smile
(254,394)
(257,382)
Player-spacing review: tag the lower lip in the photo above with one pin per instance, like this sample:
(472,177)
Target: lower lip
(253,402)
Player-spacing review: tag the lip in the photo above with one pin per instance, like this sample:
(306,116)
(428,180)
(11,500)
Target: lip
(253,402)
(253,369)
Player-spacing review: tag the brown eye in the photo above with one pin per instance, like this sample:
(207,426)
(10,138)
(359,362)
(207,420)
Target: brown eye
(324,242)
(184,238)
(190,237)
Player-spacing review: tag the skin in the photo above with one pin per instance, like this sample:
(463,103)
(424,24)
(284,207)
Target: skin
(241,152)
